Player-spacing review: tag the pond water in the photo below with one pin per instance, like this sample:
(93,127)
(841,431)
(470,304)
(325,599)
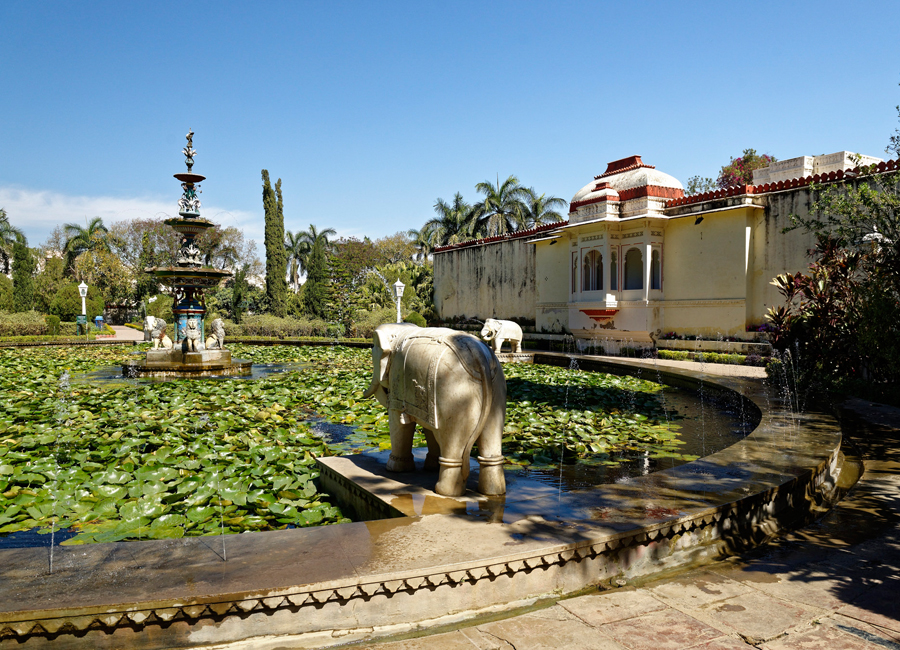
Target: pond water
(540,401)
(704,427)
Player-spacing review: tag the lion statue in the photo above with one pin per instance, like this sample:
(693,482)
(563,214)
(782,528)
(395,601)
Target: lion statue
(216,341)
(157,329)
(192,339)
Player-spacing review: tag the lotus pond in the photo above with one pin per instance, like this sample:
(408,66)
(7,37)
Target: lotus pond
(202,457)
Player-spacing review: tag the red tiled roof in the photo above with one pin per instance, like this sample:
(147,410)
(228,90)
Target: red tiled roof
(623,165)
(496,238)
(741,190)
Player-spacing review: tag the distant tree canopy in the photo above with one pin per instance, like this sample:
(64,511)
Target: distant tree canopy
(737,172)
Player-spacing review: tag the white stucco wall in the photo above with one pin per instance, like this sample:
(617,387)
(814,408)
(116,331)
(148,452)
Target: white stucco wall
(493,280)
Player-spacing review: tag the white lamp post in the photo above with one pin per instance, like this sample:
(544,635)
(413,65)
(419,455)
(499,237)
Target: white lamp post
(398,293)
(82,291)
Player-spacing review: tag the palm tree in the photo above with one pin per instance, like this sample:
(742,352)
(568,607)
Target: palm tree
(313,236)
(540,209)
(423,240)
(79,240)
(502,209)
(9,235)
(297,249)
(453,223)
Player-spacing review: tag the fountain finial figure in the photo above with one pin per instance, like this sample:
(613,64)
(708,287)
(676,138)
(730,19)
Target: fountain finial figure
(189,151)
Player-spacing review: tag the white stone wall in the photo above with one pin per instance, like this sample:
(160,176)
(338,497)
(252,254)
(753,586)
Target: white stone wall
(803,166)
(489,281)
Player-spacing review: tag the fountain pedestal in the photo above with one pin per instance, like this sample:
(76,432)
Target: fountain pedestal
(188,278)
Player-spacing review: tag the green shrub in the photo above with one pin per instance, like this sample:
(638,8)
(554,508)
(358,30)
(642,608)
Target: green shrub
(67,303)
(416,319)
(267,325)
(52,324)
(366,321)
(25,323)
(704,357)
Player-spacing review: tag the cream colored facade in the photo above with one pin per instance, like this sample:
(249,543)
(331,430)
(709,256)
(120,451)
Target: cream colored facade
(637,259)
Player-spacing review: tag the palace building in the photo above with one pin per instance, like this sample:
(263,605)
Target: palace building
(637,258)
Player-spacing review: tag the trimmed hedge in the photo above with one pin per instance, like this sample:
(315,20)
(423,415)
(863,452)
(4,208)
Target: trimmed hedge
(712,357)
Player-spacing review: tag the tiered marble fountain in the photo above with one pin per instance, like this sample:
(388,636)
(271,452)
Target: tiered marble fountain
(192,354)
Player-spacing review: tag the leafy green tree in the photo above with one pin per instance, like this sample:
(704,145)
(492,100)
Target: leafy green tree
(48,282)
(503,208)
(102,269)
(316,290)
(23,276)
(94,236)
(540,210)
(699,185)
(276,261)
(67,303)
(239,292)
(9,235)
(145,283)
(6,293)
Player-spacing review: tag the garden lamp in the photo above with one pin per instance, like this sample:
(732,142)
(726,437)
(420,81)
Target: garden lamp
(82,291)
(398,294)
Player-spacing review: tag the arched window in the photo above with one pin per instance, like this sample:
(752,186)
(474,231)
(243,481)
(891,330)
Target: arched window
(655,271)
(592,271)
(634,270)
(614,272)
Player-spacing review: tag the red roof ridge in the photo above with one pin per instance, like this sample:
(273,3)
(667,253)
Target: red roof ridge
(623,165)
(510,235)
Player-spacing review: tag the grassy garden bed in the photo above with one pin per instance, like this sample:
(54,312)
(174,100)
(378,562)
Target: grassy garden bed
(132,461)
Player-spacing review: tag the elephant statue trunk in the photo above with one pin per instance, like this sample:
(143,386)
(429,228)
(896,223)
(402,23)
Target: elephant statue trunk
(450,384)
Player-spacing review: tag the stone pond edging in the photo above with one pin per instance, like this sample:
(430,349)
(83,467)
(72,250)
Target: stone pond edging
(322,586)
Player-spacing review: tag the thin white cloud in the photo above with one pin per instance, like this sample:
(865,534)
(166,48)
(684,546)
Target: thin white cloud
(38,212)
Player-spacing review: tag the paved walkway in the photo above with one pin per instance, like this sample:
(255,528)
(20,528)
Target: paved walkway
(834,585)
(127,334)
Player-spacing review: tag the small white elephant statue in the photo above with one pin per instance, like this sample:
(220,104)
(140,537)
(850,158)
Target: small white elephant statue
(216,341)
(193,341)
(496,332)
(157,329)
(450,384)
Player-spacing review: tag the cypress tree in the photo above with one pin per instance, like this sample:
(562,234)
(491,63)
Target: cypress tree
(23,277)
(276,258)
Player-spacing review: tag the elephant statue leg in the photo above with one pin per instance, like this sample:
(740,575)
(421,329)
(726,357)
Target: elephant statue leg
(434,450)
(491,479)
(516,345)
(453,467)
(402,430)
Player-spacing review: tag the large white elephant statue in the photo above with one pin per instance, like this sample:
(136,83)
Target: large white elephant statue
(452,385)
(496,332)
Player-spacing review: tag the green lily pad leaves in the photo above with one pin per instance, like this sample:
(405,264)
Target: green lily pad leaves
(147,461)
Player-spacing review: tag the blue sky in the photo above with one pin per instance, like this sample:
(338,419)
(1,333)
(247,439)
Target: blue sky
(370,111)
